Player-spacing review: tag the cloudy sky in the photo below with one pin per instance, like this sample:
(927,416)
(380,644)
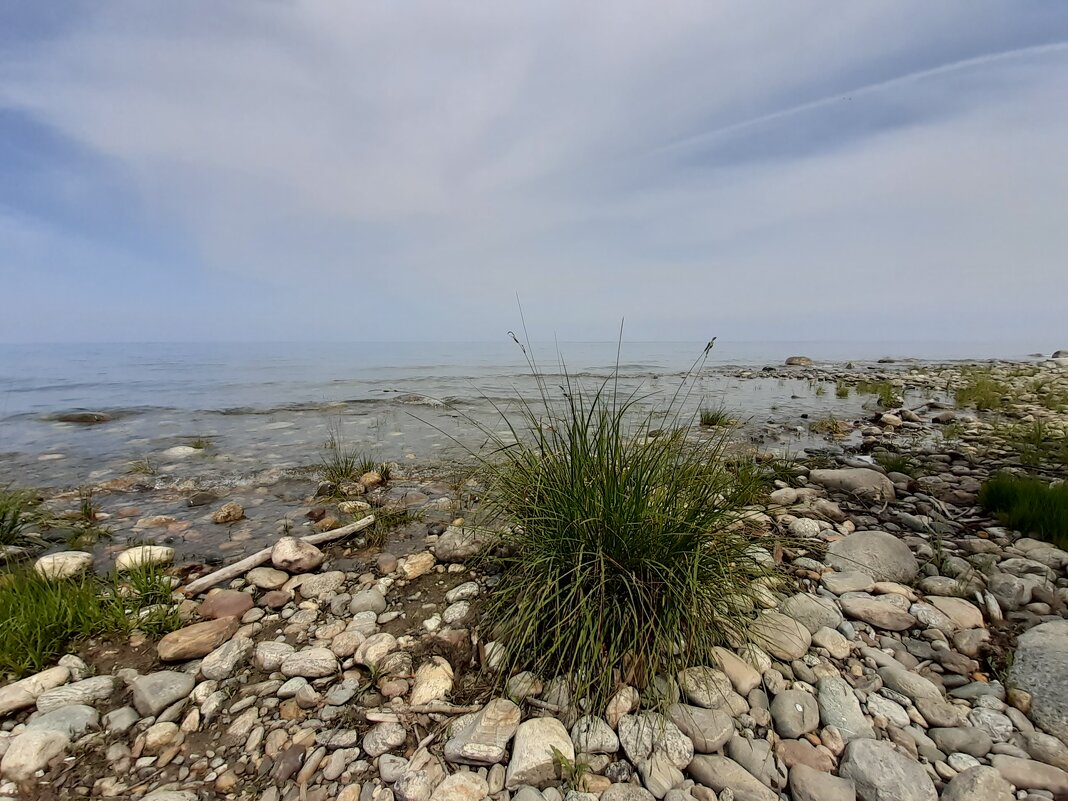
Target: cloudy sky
(380,171)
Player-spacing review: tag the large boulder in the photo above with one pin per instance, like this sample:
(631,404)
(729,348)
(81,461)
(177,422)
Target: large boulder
(882,556)
(862,482)
(1040,667)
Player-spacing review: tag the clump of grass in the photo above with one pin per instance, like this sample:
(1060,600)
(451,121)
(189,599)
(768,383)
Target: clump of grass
(886,395)
(717,417)
(1028,505)
(13,506)
(981,390)
(41,618)
(841,389)
(143,467)
(623,555)
(821,390)
(830,426)
(385,471)
(895,462)
(342,463)
(201,443)
(386,520)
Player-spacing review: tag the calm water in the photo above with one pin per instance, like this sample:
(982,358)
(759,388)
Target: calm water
(274,405)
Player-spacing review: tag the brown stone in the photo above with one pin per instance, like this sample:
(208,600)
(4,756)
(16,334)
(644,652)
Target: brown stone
(197,640)
(276,599)
(228,513)
(225,603)
(801,752)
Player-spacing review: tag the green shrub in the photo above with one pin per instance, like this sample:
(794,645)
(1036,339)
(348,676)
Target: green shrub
(1028,505)
(716,418)
(342,463)
(13,505)
(624,555)
(981,390)
(41,618)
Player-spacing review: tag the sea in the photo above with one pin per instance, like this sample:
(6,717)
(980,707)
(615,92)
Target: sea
(276,405)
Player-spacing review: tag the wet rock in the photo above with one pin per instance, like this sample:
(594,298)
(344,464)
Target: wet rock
(882,556)
(859,481)
(196,641)
(882,773)
(484,739)
(229,513)
(534,753)
(143,555)
(296,556)
(65,564)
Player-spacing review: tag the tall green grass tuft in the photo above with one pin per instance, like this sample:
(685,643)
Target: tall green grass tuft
(624,555)
(13,505)
(716,417)
(1028,505)
(41,618)
(342,463)
(981,390)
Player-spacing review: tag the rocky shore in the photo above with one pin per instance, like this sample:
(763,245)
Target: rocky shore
(923,655)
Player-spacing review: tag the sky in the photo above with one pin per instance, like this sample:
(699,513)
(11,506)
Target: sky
(369,171)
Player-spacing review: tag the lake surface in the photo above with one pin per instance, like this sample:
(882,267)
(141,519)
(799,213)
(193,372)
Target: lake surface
(271,405)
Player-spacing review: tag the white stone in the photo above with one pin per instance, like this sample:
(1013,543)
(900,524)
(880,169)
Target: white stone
(142,555)
(65,564)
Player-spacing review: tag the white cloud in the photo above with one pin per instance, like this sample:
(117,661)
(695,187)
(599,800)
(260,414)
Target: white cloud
(883,165)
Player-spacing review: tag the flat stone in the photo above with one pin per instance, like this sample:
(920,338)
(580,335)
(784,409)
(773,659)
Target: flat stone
(742,675)
(87,691)
(927,697)
(370,599)
(459,544)
(708,729)
(847,581)
(978,784)
(224,661)
(862,482)
(1046,748)
(649,732)
(964,614)
(876,612)
(812,611)
(839,707)
(418,564)
(322,585)
(807,784)
(433,681)
(704,686)
(31,751)
(266,578)
(269,656)
(882,773)
(74,720)
(142,555)
(795,713)
(384,737)
(593,735)
(24,692)
(802,752)
(835,644)
(196,641)
(782,637)
(538,742)
(296,556)
(228,513)
(1027,774)
(881,555)
(310,663)
(721,773)
(157,691)
(484,739)
(65,564)
(464,786)
(1040,667)
(225,603)
(615,792)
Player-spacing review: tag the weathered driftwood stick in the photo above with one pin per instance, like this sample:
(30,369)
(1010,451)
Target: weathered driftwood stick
(258,558)
(392,714)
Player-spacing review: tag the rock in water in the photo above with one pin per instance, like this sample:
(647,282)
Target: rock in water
(1040,667)
(296,556)
(860,481)
(882,556)
(143,555)
(229,513)
(882,773)
(798,361)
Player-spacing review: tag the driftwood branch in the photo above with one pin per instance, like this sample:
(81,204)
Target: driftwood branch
(258,558)
(392,714)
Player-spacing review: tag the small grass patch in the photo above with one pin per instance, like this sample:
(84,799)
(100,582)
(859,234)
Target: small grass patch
(623,556)
(981,390)
(884,391)
(1028,505)
(143,467)
(829,426)
(841,390)
(13,507)
(386,520)
(342,463)
(41,619)
(717,417)
(895,463)
(201,443)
